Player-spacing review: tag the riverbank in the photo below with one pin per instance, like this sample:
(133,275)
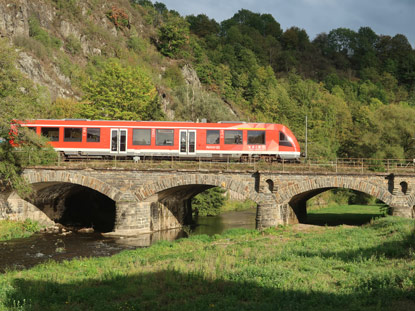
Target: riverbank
(17,229)
(319,268)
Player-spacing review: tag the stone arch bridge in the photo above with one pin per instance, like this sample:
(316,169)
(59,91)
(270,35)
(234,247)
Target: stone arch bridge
(123,200)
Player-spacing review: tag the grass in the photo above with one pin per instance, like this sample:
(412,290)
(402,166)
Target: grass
(370,267)
(17,229)
(345,214)
(234,205)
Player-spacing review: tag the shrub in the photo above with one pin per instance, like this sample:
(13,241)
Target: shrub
(173,77)
(135,44)
(209,202)
(73,45)
(41,35)
(32,45)
(119,18)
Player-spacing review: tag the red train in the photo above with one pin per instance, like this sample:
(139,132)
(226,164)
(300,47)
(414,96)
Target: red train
(168,139)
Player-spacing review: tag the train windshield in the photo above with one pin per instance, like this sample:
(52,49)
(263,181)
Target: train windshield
(284,141)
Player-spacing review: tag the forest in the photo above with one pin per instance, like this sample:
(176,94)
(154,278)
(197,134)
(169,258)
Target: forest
(357,88)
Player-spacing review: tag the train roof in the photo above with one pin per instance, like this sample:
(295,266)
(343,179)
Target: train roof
(163,124)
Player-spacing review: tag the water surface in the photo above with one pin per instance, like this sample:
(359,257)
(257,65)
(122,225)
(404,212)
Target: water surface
(27,252)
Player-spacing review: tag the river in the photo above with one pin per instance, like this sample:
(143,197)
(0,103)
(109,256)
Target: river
(41,247)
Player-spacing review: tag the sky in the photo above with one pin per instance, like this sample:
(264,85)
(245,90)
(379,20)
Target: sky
(385,17)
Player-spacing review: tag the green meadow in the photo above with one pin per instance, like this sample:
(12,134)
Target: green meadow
(299,267)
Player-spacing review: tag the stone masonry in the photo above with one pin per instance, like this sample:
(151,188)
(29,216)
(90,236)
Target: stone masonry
(148,201)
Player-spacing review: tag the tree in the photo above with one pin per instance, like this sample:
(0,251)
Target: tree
(201,25)
(365,53)
(65,108)
(295,38)
(194,103)
(173,36)
(265,24)
(20,99)
(397,136)
(120,92)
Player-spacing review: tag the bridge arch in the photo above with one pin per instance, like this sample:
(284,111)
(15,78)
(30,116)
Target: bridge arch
(45,177)
(296,195)
(170,197)
(198,183)
(74,199)
(285,194)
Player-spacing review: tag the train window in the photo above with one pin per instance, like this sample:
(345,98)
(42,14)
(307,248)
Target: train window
(32,128)
(164,137)
(212,137)
(233,137)
(284,140)
(52,133)
(256,137)
(93,135)
(72,134)
(141,136)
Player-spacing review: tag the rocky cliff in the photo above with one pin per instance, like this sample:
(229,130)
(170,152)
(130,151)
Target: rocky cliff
(84,24)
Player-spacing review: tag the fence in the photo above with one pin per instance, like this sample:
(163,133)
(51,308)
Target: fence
(338,165)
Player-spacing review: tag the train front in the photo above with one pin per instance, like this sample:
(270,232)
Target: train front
(289,148)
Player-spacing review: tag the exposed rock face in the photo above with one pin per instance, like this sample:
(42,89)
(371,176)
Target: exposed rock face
(14,18)
(190,76)
(36,72)
(14,23)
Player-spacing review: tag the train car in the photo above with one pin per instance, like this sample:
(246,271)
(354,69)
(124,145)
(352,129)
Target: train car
(74,138)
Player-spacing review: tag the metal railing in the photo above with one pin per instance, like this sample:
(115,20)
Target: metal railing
(311,165)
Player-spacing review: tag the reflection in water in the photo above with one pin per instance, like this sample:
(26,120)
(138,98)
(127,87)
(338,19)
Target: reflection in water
(27,252)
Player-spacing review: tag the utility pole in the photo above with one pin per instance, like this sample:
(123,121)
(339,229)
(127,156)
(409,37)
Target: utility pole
(306,136)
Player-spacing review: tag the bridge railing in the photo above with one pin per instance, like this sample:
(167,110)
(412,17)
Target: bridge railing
(317,165)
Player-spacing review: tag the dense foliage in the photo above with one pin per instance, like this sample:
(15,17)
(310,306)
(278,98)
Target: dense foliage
(356,87)
(19,99)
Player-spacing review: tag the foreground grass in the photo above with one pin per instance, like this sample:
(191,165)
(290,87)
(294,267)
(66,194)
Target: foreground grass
(17,229)
(360,268)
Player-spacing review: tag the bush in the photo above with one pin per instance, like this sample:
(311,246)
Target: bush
(136,44)
(73,45)
(209,202)
(119,18)
(173,77)
(32,45)
(41,35)
(17,229)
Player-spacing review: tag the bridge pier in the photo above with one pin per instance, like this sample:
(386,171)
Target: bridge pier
(151,215)
(272,214)
(399,206)
(171,213)
(131,215)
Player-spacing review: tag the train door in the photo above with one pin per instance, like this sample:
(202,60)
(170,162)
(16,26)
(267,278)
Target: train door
(187,142)
(118,141)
